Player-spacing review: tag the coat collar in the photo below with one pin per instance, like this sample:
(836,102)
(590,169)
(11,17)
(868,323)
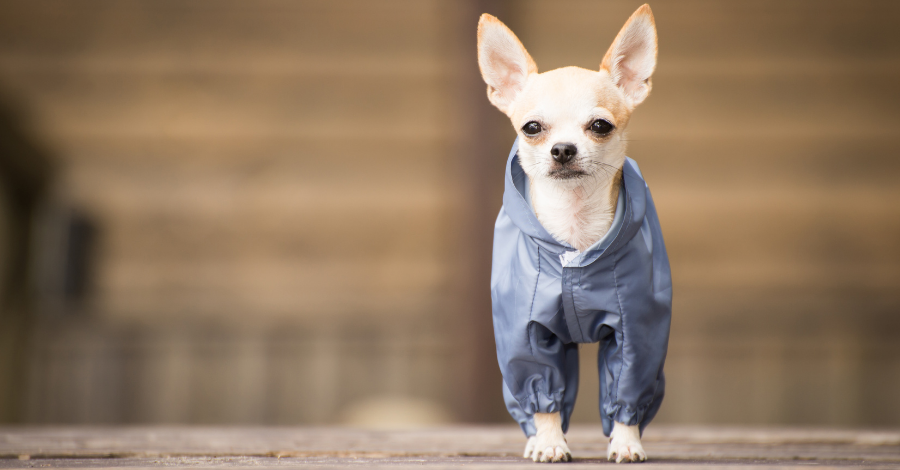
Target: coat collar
(522,215)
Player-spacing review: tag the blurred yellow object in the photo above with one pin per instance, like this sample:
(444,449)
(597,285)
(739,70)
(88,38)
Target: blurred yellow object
(394,412)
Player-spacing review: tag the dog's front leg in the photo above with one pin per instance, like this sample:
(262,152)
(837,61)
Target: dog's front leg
(549,444)
(625,444)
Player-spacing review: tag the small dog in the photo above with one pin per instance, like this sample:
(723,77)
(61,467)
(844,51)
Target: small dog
(578,252)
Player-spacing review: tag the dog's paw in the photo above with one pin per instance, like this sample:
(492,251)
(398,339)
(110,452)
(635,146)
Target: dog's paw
(547,449)
(529,447)
(625,445)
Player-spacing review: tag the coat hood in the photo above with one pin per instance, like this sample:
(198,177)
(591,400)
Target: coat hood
(631,213)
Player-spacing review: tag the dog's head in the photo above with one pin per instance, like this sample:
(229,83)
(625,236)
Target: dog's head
(570,120)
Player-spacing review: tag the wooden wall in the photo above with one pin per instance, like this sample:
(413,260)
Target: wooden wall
(294,202)
(243,158)
(273,192)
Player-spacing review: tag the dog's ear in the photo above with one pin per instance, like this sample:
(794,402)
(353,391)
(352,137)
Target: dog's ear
(505,64)
(631,59)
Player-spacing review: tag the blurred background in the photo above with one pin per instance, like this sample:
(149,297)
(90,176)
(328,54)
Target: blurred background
(281,212)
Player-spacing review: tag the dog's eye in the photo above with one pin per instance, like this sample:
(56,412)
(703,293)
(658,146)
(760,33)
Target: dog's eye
(601,127)
(531,128)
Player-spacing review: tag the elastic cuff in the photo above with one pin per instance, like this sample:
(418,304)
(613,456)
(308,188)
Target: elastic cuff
(528,427)
(628,415)
(538,403)
(542,403)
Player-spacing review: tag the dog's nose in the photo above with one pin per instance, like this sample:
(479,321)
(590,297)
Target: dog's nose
(563,152)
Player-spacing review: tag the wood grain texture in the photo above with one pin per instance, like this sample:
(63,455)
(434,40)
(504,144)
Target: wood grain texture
(488,447)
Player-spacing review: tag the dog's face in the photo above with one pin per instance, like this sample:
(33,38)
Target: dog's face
(570,121)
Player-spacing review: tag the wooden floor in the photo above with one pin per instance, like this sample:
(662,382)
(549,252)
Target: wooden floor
(452,446)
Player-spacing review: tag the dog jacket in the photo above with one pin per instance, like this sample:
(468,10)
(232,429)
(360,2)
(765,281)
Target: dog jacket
(547,298)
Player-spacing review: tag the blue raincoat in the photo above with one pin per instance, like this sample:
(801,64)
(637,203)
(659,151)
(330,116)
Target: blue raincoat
(547,298)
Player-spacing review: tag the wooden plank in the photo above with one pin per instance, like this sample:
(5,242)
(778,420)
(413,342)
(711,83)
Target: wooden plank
(225,30)
(709,445)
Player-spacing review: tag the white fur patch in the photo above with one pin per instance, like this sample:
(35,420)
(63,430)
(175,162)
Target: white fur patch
(549,444)
(625,444)
(579,216)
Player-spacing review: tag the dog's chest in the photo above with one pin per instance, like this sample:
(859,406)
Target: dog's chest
(571,217)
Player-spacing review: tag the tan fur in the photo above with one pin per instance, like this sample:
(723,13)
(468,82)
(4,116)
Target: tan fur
(612,61)
(577,207)
(496,41)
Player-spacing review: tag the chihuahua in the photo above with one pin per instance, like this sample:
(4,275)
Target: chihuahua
(570,169)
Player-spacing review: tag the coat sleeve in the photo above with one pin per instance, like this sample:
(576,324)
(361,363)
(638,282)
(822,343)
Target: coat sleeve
(633,384)
(540,370)
(539,378)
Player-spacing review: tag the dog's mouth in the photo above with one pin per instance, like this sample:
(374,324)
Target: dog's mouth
(566,173)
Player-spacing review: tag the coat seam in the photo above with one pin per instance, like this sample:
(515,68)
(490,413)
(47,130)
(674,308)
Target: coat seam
(622,323)
(572,299)
(537,281)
